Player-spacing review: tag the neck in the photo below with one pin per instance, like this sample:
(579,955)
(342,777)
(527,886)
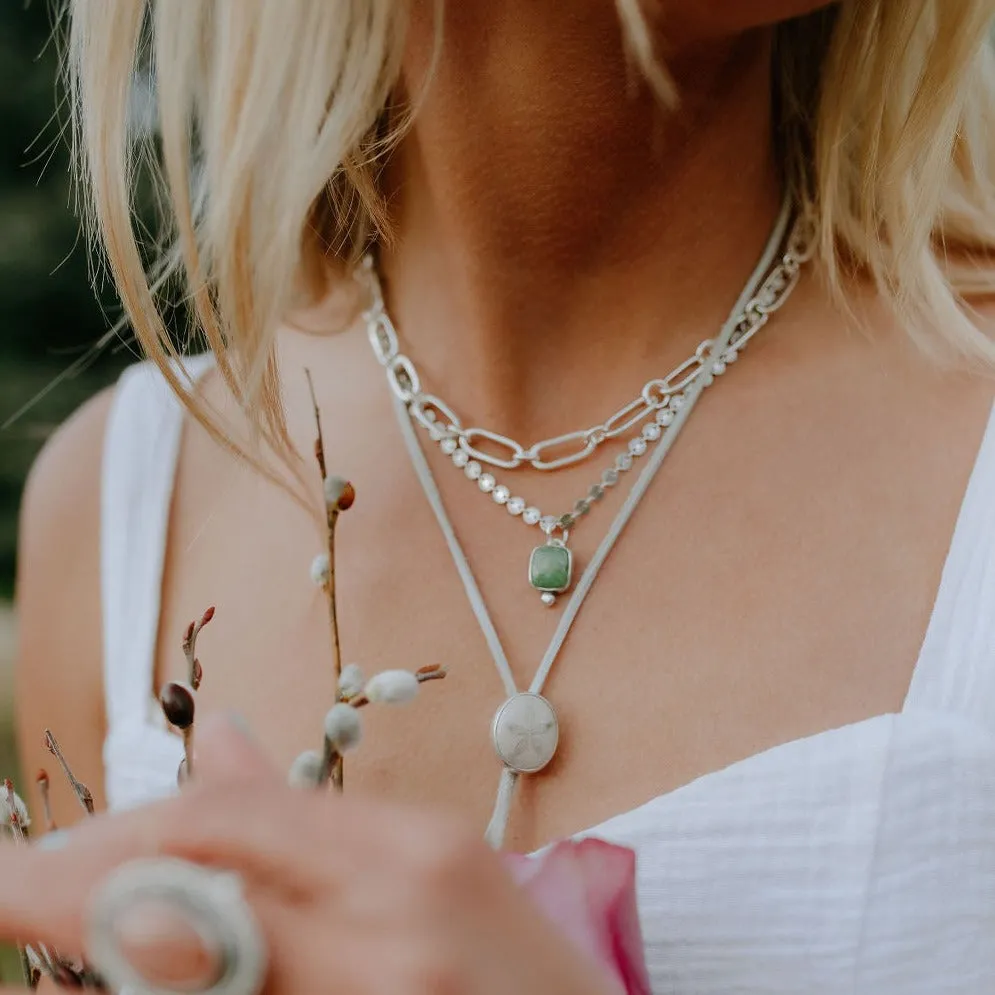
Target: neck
(552,217)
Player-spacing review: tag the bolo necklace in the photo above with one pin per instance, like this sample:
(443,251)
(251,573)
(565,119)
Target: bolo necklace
(525,728)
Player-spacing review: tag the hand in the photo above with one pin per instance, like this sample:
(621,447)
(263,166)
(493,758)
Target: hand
(368,898)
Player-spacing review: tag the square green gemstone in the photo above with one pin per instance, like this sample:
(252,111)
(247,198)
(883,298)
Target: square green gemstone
(550,568)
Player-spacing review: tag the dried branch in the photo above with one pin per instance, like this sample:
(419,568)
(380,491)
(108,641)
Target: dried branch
(179,708)
(195,672)
(38,962)
(43,789)
(178,699)
(82,792)
(13,809)
(30,973)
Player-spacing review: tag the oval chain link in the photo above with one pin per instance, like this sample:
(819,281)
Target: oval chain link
(467,435)
(656,394)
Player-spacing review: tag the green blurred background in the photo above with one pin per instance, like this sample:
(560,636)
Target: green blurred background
(49,316)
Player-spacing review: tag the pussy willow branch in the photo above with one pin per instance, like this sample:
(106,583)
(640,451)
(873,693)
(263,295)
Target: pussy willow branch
(20,834)
(332,509)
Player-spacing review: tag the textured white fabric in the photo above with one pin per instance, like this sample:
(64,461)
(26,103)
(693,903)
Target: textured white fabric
(861,859)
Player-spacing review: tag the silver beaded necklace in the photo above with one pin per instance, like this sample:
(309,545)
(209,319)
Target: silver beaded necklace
(525,729)
(648,418)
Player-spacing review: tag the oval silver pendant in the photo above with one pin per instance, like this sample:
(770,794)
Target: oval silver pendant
(525,733)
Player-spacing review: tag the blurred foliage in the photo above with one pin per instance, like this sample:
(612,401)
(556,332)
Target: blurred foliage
(50,318)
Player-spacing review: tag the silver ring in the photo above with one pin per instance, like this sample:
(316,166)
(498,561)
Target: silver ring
(210,902)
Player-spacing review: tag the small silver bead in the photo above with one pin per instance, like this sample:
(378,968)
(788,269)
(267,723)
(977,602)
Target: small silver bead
(730,357)
(500,494)
(460,458)
(547,523)
(609,479)
(596,493)
(718,367)
(449,445)
(581,507)
(707,379)
(515,506)
(486,482)
(665,418)
(652,432)
(637,447)
(677,402)
(624,462)
(473,470)
(531,516)
(548,599)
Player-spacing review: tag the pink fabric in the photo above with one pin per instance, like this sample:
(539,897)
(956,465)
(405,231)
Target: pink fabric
(588,888)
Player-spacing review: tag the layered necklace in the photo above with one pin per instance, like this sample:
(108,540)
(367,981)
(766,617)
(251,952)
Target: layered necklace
(525,729)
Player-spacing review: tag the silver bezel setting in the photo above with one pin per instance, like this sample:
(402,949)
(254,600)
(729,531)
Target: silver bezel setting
(210,902)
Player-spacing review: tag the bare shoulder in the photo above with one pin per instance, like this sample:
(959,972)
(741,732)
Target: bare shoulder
(58,675)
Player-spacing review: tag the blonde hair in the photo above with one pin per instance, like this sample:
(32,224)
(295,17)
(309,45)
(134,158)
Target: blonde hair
(885,117)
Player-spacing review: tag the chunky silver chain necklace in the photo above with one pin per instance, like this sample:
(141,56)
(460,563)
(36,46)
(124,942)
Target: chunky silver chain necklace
(646,419)
(525,730)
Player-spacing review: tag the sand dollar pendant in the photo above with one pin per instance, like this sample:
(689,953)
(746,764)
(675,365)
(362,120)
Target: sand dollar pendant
(551,569)
(526,733)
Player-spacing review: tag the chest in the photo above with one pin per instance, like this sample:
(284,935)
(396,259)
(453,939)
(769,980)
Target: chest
(776,581)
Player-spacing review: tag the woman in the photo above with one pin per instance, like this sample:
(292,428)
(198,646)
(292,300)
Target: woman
(779,690)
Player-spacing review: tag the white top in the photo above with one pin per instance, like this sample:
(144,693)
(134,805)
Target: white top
(861,859)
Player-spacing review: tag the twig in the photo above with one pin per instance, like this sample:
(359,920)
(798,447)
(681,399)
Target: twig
(46,801)
(339,496)
(338,772)
(177,700)
(319,443)
(179,708)
(331,760)
(195,673)
(82,792)
(19,831)
(31,974)
(39,962)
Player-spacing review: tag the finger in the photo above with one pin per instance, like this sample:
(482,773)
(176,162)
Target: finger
(49,895)
(298,940)
(172,950)
(226,751)
(268,833)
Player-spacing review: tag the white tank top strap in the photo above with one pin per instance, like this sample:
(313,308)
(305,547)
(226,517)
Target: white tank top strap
(141,451)
(956,668)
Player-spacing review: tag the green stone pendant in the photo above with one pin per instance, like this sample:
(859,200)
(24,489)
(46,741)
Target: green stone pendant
(551,569)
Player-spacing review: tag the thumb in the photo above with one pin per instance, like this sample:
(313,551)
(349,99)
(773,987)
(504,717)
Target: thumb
(225,750)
